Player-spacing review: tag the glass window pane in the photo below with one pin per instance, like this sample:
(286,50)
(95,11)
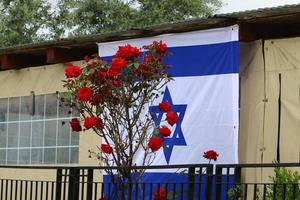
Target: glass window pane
(13,133)
(24,156)
(2,156)
(75,138)
(75,113)
(14,105)
(25,132)
(3,109)
(12,156)
(63,155)
(3,135)
(51,106)
(50,133)
(37,134)
(26,107)
(49,156)
(39,107)
(74,154)
(64,110)
(36,156)
(63,133)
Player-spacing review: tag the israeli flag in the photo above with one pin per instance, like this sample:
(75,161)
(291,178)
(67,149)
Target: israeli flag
(204,94)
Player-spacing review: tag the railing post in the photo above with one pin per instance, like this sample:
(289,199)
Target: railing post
(58,184)
(90,177)
(218,182)
(237,178)
(209,174)
(191,183)
(74,184)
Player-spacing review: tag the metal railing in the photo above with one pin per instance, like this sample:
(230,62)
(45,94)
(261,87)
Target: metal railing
(185,182)
(270,181)
(79,183)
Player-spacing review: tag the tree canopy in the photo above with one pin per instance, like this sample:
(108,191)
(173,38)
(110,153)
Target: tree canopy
(27,21)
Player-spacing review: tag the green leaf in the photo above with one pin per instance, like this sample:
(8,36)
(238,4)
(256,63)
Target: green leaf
(136,65)
(64,95)
(172,194)
(99,110)
(167,149)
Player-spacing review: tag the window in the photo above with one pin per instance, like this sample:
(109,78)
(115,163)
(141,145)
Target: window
(36,130)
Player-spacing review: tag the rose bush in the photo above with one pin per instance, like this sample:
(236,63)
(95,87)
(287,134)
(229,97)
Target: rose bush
(113,98)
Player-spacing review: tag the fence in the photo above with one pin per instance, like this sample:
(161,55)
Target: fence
(277,181)
(201,182)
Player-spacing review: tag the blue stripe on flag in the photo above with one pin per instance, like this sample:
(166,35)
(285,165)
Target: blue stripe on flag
(201,60)
(173,182)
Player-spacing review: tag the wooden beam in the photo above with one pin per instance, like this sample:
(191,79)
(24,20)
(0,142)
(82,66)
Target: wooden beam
(15,61)
(62,55)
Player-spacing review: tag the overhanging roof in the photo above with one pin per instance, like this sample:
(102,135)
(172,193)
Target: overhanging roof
(277,22)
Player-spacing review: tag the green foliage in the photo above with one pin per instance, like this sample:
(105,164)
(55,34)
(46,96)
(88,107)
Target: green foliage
(286,181)
(27,21)
(162,11)
(234,193)
(23,21)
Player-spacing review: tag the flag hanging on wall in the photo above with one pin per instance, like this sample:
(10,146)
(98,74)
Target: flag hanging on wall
(204,93)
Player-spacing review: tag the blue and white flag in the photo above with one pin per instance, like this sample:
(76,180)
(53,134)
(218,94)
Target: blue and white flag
(204,94)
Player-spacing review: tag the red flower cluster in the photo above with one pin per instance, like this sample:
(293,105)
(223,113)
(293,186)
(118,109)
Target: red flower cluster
(160,46)
(92,121)
(172,118)
(84,94)
(75,125)
(164,106)
(211,155)
(164,131)
(128,52)
(73,71)
(155,143)
(97,99)
(86,58)
(116,66)
(106,148)
(160,194)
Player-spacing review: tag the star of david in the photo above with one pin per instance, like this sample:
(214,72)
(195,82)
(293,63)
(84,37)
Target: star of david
(177,137)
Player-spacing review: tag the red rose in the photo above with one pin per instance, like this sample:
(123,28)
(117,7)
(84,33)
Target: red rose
(92,121)
(148,59)
(75,125)
(128,52)
(165,131)
(73,71)
(145,70)
(86,58)
(211,155)
(155,143)
(120,62)
(172,118)
(160,46)
(106,148)
(84,94)
(103,198)
(103,73)
(160,194)
(165,106)
(116,83)
(116,66)
(97,99)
